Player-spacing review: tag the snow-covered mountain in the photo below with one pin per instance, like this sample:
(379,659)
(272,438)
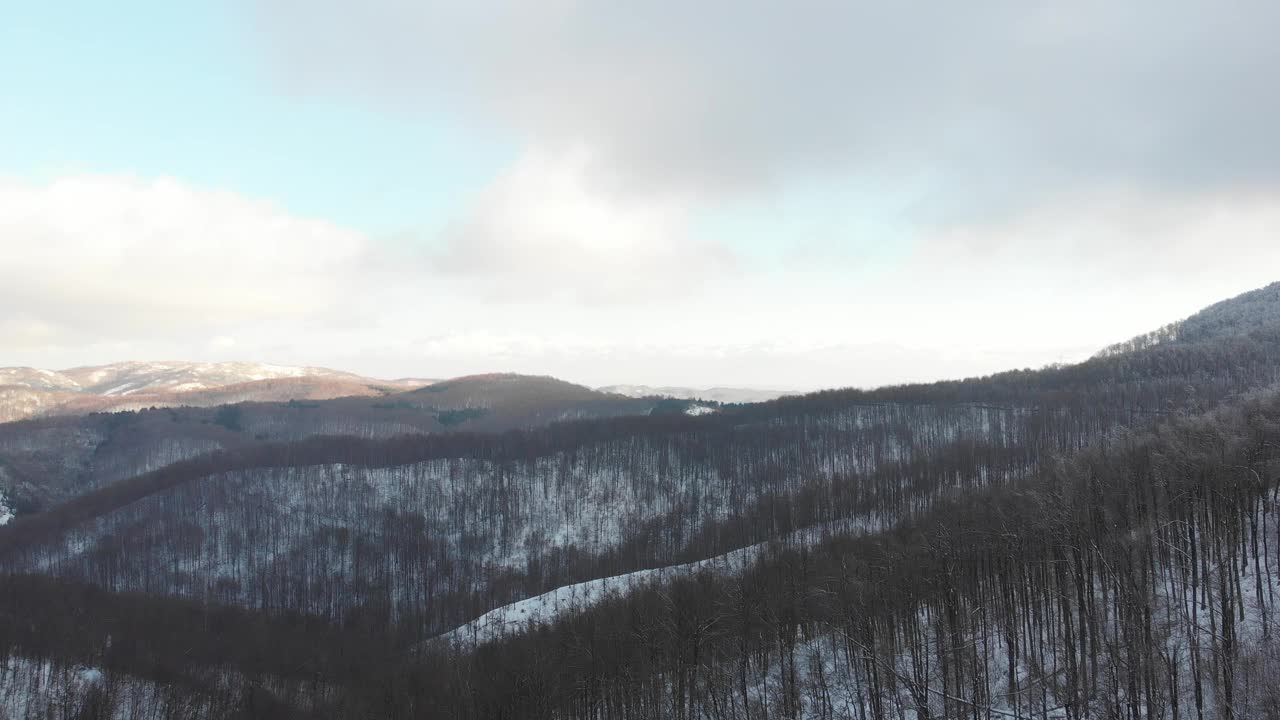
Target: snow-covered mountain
(36,379)
(70,446)
(129,378)
(28,392)
(33,392)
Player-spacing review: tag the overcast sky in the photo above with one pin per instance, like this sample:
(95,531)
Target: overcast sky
(705,192)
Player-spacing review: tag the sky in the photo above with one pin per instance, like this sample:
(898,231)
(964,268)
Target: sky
(815,193)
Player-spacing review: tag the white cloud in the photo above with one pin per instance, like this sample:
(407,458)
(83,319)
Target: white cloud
(543,231)
(1076,173)
(994,97)
(87,258)
(100,269)
(1123,236)
(637,118)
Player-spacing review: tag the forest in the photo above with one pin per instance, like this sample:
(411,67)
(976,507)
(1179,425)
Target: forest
(1096,540)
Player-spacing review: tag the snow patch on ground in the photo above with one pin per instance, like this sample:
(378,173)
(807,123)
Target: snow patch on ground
(40,689)
(6,512)
(546,608)
(124,389)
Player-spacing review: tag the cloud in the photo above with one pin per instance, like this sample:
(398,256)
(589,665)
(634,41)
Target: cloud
(88,258)
(1054,176)
(543,231)
(1121,236)
(991,99)
(98,269)
(638,119)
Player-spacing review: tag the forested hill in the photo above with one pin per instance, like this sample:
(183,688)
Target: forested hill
(47,460)
(1221,349)
(43,462)
(1039,543)
(1136,579)
(1253,314)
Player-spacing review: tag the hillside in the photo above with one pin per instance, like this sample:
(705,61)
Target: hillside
(1079,541)
(1252,313)
(1123,584)
(501,401)
(46,460)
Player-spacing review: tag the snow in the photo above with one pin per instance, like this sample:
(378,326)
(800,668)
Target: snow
(546,608)
(39,689)
(137,377)
(35,689)
(6,512)
(699,410)
(36,379)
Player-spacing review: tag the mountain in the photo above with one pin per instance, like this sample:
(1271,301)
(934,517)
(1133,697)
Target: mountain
(1255,311)
(37,379)
(131,378)
(78,447)
(1252,313)
(727,395)
(29,392)
(511,400)
(1078,541)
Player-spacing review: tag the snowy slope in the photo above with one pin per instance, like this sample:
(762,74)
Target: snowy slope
(37,379)
(562,602)
(6,512)
(129,378)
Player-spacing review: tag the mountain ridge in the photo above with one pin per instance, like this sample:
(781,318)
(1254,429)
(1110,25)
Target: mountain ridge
(133,385)
(416,535)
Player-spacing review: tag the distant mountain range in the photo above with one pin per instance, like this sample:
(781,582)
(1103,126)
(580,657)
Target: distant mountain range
(74,444)
(30,392)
